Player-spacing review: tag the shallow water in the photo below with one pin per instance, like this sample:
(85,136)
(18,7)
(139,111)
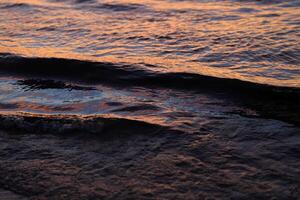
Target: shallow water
(250,40)
(181,110)
(168,99)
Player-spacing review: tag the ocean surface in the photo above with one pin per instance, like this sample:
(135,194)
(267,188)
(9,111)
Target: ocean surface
(250,40)
(146,99)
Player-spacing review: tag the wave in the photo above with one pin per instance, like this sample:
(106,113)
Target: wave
(125,74)
(93,5)
(97,125)
(14,5)
(55,73)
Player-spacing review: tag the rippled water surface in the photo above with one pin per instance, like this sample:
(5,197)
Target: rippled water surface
(149,99)
(250,40)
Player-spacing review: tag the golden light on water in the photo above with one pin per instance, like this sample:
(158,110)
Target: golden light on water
(193,37)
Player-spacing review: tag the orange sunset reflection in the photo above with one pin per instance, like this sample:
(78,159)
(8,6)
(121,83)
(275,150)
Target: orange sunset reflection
(247,41)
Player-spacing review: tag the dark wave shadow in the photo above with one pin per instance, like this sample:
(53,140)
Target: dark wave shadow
(270,101)
(99,126)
